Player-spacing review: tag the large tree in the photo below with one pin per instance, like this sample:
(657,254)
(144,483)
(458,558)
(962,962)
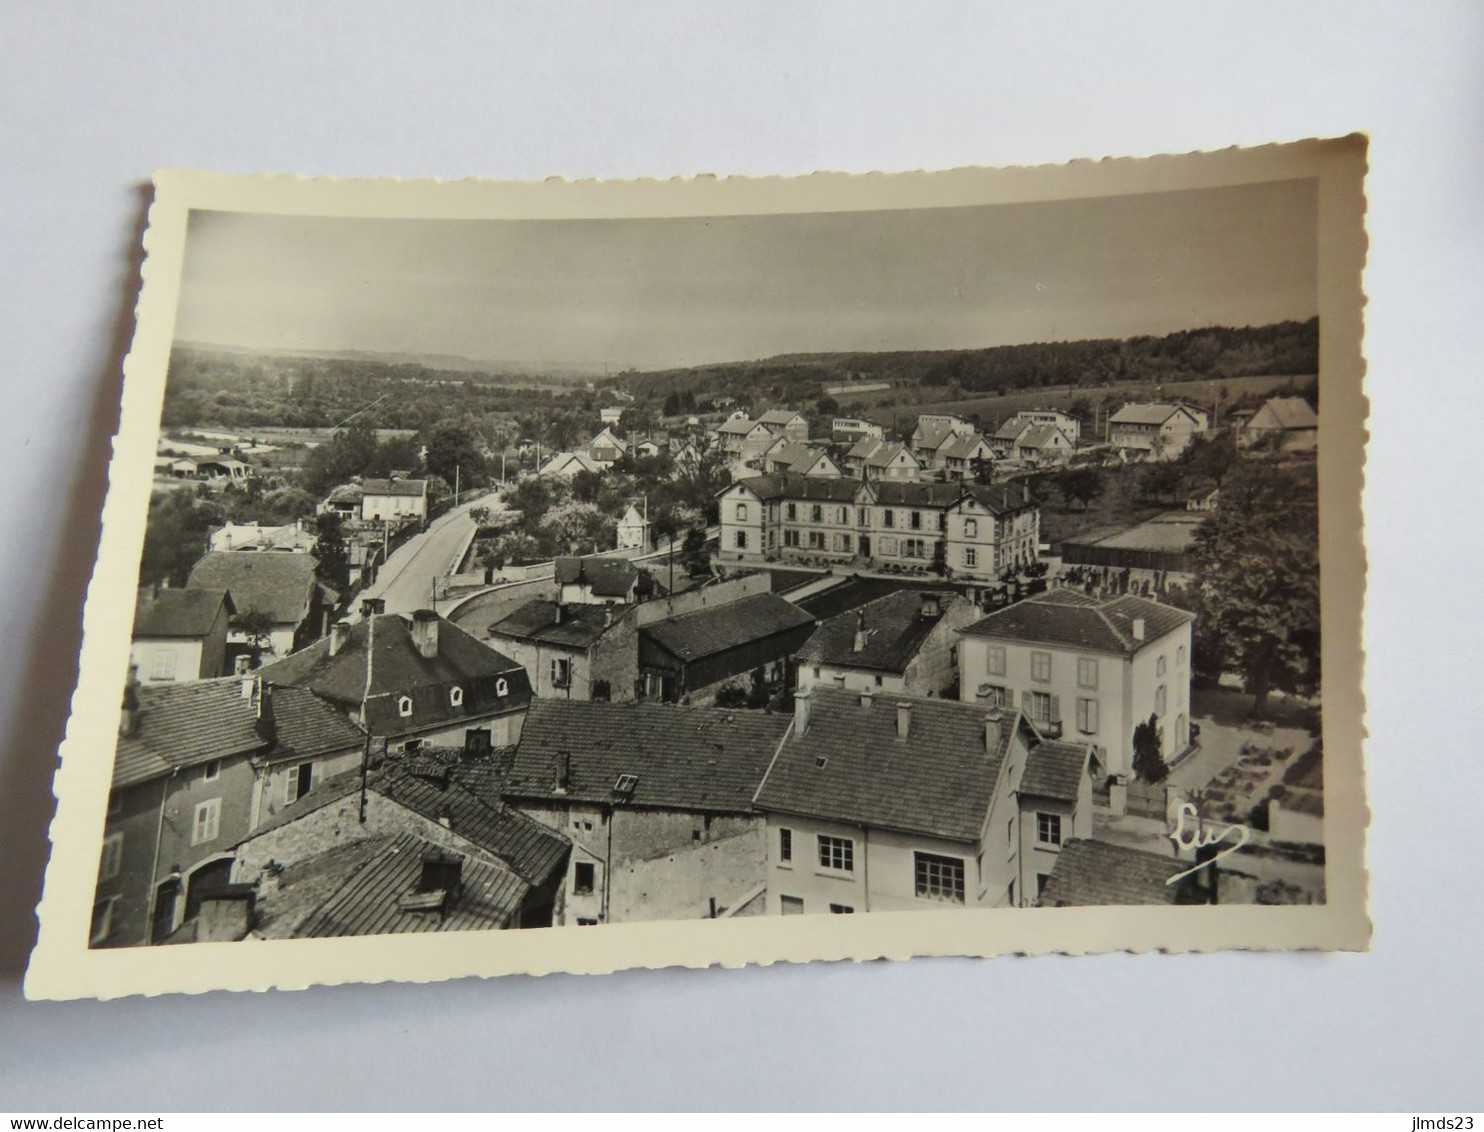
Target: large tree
(454,453)
(332,558)
(1149,760)
(1257,580)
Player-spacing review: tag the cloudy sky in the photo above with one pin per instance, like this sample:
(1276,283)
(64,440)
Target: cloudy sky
(656,293)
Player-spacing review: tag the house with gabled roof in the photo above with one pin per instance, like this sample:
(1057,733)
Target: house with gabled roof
(905,643)
(1068,424)
(933,430)
(742,438)
(280,587)
(431,848)
(787,423)
(1086,668)
(194,769)
(785,455)
(1287,422)
(691,655)
(1154,431)
(572,650)
(412,680)
(891,803)
(633,530)
(392,500)
(180,634)
(600,579)
(1040,445)
(565,465)
(607,448)
(964,456)
(657,801)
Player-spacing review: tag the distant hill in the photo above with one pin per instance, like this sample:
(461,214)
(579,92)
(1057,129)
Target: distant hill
(557,371)
(1212,352)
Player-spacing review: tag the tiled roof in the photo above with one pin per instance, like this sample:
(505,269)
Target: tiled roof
(791,454)
(181,725)
(1054,619)
(849,765)
(1090,873)
(579,627)
(856,591)
(368,902)
(882,455)
(899,493)
(864,447)
(562,460)
(707,632)
(608,577)
(779,416)
(1285,412)
(397,669)
(894,625)
(179,613)
(1000,498)
(417,488)
(1055,769)
(279,585)
(432,789)
(1038,436)
(1066,597)
(684,758)
(739,426)
(1146,414)
(961,447)
(305,725)
(1012,428)
(930,434)
(791,485)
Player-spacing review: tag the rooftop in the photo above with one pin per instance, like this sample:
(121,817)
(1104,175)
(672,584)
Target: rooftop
(1089,873)
(608,576)
(1055,769)
(707,632)
(580,625)
(962,446)
(179,613)
(1173,532)
(417,488)
(1100,626)
(680,757)
(780,416)
(1145,413)
(1285,412)
(894,626)
(850,765)
(279,585)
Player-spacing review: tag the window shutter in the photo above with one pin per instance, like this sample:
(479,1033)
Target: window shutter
(1025,701)
(1055,708)
(290,780)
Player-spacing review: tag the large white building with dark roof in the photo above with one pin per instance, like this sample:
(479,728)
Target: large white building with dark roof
(893,803)
(1086,669)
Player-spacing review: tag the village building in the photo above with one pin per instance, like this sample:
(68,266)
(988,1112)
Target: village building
(565,465)
(633,530)
(743,439)
(194,767)
(880,803)
(606,449)
(880,460)
(1087,669)
(344,500)
(785,455)
(973,531)
(412,680)
(905,643)
(572,650)
(1066,422)
(848,430)
(1154,431)
(431,848)
(281,588)
(180,635)
(224,468)
(1288,423)
(393,499)
(964,456)
(599,579)
(689,656)
(1042,445)
(1092,874)
(787,423)
(611,415)
(295,538)
(933,430)
(657,800)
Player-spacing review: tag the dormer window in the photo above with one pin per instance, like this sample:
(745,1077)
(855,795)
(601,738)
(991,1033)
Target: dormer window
(404,706)
(502,687)
(456,697)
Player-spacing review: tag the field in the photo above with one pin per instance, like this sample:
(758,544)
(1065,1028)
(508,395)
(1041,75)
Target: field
(993,409)
(1119,507)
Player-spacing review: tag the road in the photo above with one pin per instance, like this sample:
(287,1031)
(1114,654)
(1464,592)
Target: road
(405,581)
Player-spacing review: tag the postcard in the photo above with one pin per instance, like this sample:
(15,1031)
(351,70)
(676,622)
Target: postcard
(578,576)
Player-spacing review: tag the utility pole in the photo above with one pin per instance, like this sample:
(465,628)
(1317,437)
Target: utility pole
(456,470)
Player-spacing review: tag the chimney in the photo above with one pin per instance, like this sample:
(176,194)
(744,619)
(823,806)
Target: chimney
(564,771)
(860,631)
(249,684)
(265,725)
(904,719)
(991,731)
(867,697)
(1138,628)
(803,698)
(241,665)
(559,611)
(607,616)
(425,632)
(129,711)
(339,635)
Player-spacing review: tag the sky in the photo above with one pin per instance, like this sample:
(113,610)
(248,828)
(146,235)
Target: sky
(659,293)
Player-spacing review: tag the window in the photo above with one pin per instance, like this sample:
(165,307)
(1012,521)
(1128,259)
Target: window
(939,878)
(791,905)
(790,537)
(842,515)
(837,853)
(842,543)
(1041,667)
(996,695)
(1159,700)
(741,540)
(888,518)
(1048,829)
(206,821)
(841,909)
(785,845)
(561,672)
(102,920)
(816,540)
(211,771)
(1087,716)
(741,512)
(889,546)
(404,706)
(502,687)
(1042,704)
(792,510)
(456,696)
(1159,665)
(582,878)
(585,923)
(816,513)
(1180,729)
(971,556)
(1180,657)
(299,782)
(917,520)
(994,658)
(914,548)
(863,517)
(1087,672)
(971,528)
(113,857)
(163,666)
(878,681)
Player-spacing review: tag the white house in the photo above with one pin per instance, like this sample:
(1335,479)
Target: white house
(633,530)
(1154,431)
(394,499)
